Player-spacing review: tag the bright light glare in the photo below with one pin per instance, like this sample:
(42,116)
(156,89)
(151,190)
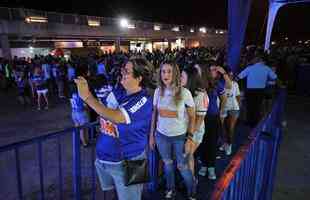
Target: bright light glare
(124,23)
(157,27)
(36,19)
(93,23)
(203,29)
(131,26)
(176,29)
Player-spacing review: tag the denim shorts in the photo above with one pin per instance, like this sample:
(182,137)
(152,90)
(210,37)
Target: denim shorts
(112,175)
(80,118)
(232,113)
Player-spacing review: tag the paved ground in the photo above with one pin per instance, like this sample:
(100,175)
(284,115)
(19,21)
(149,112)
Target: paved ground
(293,171)
(18,123)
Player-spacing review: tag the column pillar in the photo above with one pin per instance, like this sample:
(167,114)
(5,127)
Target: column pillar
(5,46)
(117,44)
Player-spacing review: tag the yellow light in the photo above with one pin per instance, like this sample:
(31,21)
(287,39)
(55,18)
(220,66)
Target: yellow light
(36,19)
(93,23)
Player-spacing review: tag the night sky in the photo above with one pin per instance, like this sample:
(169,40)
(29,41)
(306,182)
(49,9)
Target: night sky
(292,21)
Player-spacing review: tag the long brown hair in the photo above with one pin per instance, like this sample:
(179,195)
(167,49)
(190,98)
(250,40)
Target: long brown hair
(176,81)
(208,81)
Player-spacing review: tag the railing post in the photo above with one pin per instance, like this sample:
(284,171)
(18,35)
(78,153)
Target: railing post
(76,164)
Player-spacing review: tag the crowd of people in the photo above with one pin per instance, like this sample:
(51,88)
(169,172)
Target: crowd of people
(183,103)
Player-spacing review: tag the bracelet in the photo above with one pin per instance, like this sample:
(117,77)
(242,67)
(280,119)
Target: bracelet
(190,134)
(87,97)
(190,138)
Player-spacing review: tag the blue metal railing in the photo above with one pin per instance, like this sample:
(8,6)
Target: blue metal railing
(251,172)
(76,171)
(76,163)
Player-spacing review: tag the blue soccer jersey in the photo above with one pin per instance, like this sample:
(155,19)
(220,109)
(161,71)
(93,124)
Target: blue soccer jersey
(125,140)
(39,82)
(103,92)
(77,103)
(214,97)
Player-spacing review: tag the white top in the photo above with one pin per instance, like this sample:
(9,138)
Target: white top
(232,103)
(176,123)
(201,108)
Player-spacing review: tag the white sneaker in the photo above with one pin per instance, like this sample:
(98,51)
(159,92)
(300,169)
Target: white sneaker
(228,150)
(222,148)
(202,171)
(169,194)
(211,173)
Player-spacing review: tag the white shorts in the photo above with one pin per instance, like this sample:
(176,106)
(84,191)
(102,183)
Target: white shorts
(42,91)
(198,136)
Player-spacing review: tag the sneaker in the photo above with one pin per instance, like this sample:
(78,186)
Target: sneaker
(46,108)
(228,150)
(170,194)
(192,197)
(211,173)
(222,148)
(39,108)
(218,157)
(202,171)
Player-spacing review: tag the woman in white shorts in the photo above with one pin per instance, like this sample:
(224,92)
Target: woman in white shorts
(230,115)
(191,79)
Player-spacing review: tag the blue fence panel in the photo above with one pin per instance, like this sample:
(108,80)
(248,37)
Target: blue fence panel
(251,173)
(60,190)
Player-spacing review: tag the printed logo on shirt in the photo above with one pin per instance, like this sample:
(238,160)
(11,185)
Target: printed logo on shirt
(138,105)
(107,127)
(167,113)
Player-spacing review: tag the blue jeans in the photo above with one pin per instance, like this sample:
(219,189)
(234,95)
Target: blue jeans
(112,175)
(167,146)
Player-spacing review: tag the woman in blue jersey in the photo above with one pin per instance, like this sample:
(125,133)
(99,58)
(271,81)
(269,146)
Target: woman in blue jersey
(216,92)
(125,123)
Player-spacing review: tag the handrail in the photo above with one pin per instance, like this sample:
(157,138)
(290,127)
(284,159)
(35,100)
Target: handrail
(248,153)
(26,142)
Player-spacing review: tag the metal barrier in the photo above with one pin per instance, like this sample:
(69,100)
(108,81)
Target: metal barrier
(251,172)
(249,175)
(76,165)
(76,160)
